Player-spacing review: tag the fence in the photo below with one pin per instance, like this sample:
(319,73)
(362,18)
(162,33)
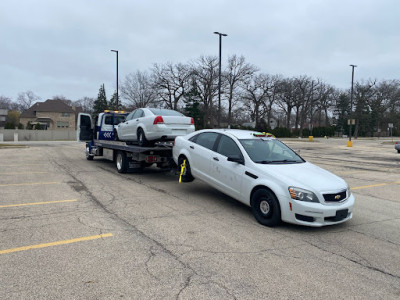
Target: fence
(10,135)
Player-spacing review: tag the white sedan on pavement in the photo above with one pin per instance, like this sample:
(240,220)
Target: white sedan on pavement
(266,175)
(147,125)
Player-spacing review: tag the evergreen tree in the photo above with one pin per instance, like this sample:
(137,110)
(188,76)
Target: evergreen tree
(113,105)
(192,107)
(100,104)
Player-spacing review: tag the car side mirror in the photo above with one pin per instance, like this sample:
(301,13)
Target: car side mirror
(236,159)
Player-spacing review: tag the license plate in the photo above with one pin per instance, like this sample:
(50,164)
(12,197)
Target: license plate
(341,214)
(178,132)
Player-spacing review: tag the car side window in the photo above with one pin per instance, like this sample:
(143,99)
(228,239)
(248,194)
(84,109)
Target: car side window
(228,147)
(130,116)
(137,114)
(140,113)
(206,139)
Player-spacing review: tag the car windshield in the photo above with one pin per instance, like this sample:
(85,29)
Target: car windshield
(270,151)
(165,112)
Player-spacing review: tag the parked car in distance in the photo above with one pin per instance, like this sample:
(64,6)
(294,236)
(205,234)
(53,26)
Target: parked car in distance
(397,146)
(266,175)
(147,125)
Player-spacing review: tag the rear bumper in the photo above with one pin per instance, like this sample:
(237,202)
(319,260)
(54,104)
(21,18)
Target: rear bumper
(167,132)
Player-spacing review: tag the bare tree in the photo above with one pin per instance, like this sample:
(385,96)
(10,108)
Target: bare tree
(205,76)
(171,81)
(236,72)
(86,103)
(5,102)
(138,90)
(287,98)
(257,89)
(26,99)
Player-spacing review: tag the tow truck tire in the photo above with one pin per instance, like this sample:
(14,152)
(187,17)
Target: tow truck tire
(265,207)
(187,174)
(121,162)
(88,156)
(142,141)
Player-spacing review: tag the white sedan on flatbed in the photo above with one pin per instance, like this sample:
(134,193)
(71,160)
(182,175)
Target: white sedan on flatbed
(147,125)
(266,175)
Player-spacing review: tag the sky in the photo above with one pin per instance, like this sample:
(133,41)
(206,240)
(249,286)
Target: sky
(63,48)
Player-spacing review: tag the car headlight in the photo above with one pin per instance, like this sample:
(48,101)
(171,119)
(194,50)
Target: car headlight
(302,195)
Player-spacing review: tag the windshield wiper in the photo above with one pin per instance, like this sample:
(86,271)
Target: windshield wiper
(283,161)
(263,162)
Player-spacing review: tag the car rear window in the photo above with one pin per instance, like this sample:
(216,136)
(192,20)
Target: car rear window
(165,112)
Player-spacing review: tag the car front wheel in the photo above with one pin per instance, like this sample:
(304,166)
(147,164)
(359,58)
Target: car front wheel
(265,207)
(187,174)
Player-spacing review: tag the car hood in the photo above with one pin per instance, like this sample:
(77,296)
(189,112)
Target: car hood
(304,175)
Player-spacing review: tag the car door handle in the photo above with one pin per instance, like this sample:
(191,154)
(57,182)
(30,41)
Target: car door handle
(215,158)
(191,147)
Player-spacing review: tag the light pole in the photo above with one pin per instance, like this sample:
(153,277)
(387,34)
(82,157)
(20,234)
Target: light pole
(351,102)
(116,51)
(219,77)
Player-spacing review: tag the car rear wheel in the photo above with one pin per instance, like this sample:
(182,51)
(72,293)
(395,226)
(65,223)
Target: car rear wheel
(142,141)
(187,174)
(265,207)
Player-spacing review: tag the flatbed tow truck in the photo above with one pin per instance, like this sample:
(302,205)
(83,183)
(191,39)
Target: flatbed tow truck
(99,137)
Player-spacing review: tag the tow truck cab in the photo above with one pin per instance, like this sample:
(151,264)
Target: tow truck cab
(101,128)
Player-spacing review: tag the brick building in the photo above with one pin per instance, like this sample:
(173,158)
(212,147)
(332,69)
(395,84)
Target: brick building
(51,114)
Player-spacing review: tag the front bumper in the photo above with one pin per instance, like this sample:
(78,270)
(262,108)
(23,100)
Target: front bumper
(317,214)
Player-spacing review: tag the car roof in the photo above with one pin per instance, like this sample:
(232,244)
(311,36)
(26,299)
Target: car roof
(241,134)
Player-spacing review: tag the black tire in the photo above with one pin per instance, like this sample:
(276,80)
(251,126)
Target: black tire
(121,162)
(187,174)
(116,138)
(88,156)
(141,138)
(398,151)
(265,207)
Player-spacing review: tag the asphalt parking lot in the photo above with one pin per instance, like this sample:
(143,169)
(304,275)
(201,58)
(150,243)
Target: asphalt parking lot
(77,229)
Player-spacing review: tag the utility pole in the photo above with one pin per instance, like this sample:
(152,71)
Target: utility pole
(116,51)
(219,77)
(350,143)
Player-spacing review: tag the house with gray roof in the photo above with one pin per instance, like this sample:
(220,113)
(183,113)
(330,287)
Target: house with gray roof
(51,114)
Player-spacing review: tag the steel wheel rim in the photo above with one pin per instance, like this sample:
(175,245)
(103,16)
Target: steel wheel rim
(119,161)
(265,207)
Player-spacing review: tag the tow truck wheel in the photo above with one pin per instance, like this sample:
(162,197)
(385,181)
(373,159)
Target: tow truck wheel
(121,161)
(265,207)
(88,156)
(142,141)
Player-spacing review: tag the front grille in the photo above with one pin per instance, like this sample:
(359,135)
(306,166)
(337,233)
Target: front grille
(336,197)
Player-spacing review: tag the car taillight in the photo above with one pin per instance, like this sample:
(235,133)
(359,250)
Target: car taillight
(158,120)
(192,121)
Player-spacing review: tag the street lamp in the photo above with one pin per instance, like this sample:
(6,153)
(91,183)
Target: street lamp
(350,144)
(116,51)
(219,77)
